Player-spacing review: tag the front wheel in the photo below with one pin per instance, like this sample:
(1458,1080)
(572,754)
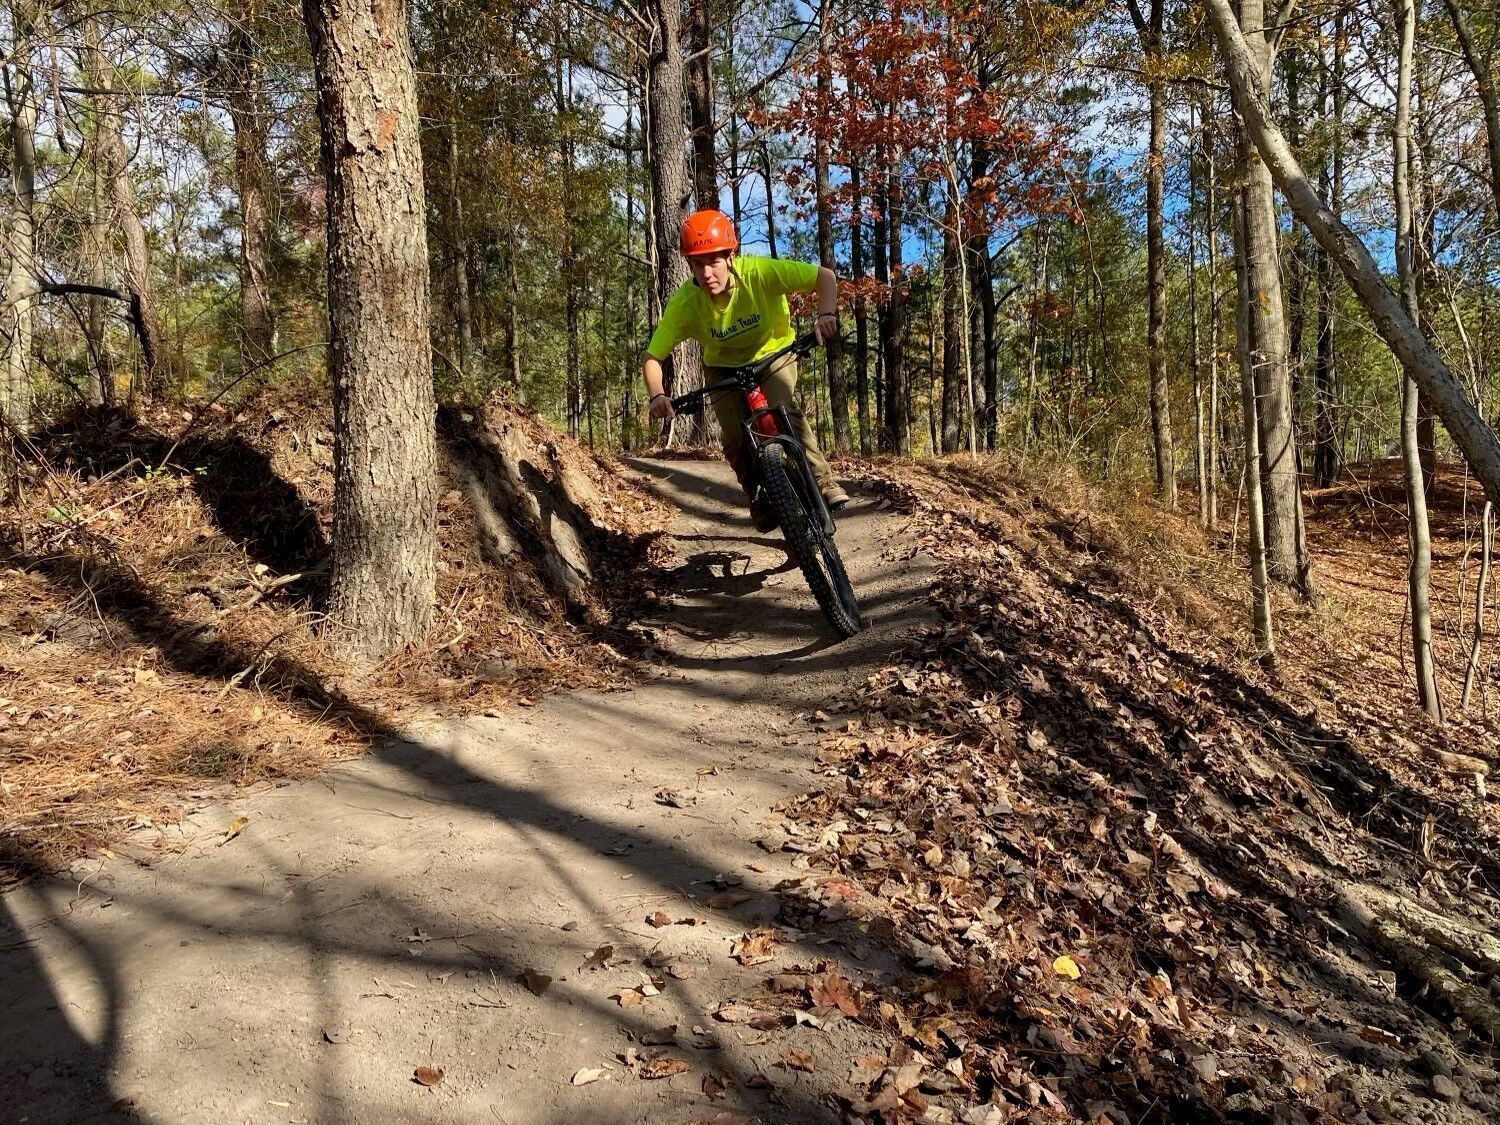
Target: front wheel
(814,551)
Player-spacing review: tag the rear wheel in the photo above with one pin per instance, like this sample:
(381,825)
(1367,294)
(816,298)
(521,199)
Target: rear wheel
(814,551)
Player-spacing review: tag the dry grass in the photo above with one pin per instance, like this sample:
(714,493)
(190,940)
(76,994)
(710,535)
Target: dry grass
(159,643)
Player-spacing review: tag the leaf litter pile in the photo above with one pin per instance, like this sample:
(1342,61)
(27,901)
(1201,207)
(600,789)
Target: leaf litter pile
(1136,880)
(161,588)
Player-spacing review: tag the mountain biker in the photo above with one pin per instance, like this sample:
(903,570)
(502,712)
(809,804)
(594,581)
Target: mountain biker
(736,308)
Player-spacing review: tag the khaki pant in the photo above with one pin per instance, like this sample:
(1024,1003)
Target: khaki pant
(778,383)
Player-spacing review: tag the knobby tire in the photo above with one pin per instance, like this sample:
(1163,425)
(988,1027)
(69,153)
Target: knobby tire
(815,552)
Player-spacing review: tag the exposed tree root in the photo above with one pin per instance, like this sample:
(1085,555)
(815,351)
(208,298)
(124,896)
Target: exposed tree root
(1403,932)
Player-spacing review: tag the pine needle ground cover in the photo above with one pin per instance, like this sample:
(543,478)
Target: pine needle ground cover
(161,584)
(1133,876)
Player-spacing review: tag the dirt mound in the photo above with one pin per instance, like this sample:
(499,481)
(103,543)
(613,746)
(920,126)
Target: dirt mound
(1134,876)
(163,579)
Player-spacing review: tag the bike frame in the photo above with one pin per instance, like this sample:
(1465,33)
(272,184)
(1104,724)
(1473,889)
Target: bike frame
(765,424)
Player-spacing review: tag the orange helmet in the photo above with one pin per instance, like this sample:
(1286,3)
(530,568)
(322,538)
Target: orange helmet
(707,232)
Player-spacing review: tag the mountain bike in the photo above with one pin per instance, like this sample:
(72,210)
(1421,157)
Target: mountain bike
(782,475)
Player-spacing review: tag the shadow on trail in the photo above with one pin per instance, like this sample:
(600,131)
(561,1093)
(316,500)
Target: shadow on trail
(187,646)
(254,506)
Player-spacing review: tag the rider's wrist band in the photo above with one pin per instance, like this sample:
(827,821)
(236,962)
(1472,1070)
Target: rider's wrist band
(656,396)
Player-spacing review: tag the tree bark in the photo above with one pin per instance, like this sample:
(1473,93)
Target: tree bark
(700,96)
(1418,533)
(670,194)
(897,430)
(100,75)
(1211,230)
(249,113)
(1195,341)
(861,313)
(385,459)
(18,391)
(463,316)
(1469,431)
(1149,28)
(838,387)
(1260,578)
(952,360)
(1285,551)
(1325,438)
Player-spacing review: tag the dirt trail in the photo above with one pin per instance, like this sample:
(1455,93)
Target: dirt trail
(393,904)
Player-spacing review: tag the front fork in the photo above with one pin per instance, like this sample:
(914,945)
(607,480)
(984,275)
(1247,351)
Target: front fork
(771,425)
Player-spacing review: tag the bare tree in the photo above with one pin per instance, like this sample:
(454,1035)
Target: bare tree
(99,73)
(17,391)
(1149,27)
(250,114)
(1419,536)
(1470,433)
(385,444)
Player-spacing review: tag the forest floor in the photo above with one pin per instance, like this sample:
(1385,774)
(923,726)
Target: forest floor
(1042,844)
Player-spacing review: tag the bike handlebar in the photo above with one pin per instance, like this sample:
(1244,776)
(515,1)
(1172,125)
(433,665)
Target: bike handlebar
(751,372)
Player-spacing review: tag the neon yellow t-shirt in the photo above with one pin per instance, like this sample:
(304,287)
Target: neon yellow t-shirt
(753,322)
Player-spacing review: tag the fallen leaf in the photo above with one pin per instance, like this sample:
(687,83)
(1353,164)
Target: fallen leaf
(599,958)
(428,1075)
(663,1067)
(725,900)
(536,983)
(714,1086)
(236,826)
(659,919)
(736,1012)
(1066,967)
(588,1074)
(755,948)
(629,998)
(798,1060)
(832,991)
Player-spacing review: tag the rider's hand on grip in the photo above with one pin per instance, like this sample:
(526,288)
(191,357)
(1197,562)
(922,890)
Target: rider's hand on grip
(661,408)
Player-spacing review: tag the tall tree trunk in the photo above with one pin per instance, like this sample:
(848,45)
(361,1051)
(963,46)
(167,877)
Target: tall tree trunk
(1477,441)
(670,196)
(700,96)
(572,376)
(1296,261)
(838,385)
(99,74)
(1286,548)
(952,360)
(462,303)
(385,442)
(1150,28)
(512,314)
(249,113)
(764,148)
(1195,341)
(1325,436)
(861,313)
(96,254)
(1419,538)
(1260,579)
(1211,231)
(897,431)
(18,391)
